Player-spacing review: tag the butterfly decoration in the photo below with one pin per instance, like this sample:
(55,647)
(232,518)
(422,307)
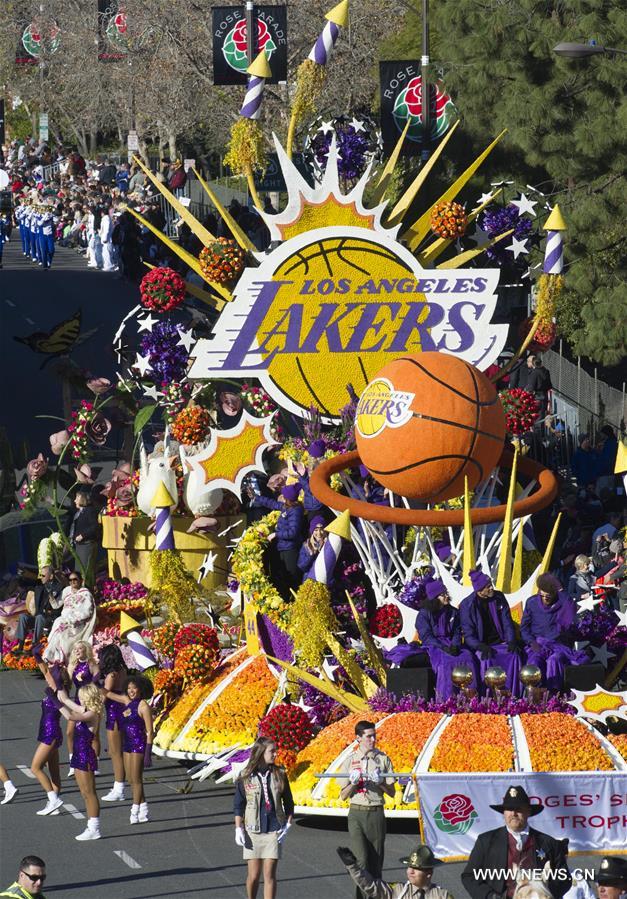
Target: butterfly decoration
(59,340)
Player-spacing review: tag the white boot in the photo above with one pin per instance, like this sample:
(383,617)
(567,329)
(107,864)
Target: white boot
(9,792)
(54,803)
(134,819)
(116,793)
(144,817)
(92,831)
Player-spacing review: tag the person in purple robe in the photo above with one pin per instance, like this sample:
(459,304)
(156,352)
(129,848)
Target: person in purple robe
(548,631)
(489,630)
(440,631)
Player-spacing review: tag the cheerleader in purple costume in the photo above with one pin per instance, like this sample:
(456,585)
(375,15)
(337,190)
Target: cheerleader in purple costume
(137,739)
(50,738)
(114,673)
(87,716)
(82,669)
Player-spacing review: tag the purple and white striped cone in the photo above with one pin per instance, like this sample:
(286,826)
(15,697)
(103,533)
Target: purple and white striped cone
(164,535)
(251,107)
(554,253)
(143,655)
(326,560)
(324,44)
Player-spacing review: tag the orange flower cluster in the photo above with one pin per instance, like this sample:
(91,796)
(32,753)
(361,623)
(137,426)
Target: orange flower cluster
(191,425)
(25,662)
(402,738)
(195,662)
(222,261)
(474,742)
(170,683)
(234,716)
(163,638)
(559,742)
(619,741)
(180,714)
(449,220)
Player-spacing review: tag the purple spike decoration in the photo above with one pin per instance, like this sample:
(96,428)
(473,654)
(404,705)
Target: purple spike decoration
(251,107)
(324,44)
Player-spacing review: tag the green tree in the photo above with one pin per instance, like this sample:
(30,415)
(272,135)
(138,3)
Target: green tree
(566,119)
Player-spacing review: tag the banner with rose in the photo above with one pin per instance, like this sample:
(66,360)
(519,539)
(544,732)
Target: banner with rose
(401,98)
(230,42)
(587,808)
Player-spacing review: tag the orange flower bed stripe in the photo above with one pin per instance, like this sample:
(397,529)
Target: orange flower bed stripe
(560,742)
(402,738)
(619,741)
(474,742)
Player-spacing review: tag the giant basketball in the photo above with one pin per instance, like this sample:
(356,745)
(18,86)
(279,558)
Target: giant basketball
(426,421)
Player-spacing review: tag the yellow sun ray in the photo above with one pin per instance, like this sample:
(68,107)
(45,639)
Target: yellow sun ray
(467,255)
(242,239)
(390,165)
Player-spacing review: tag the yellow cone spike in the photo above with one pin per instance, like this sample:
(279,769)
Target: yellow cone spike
(621,458)
(339,14)
(260,67)
(420,228)
(128,624)
(341,526)
(390,165)
(438,246)
(410,194)
(504,574)
(469,543)
(242,239)
(354,703)
(375,656)
(364,685)
(546,561)
(162,498)
(516,581)
(205,236)
(463,258)
(555,221)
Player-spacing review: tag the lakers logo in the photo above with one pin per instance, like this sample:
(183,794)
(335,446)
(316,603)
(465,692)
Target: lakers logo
(381,406)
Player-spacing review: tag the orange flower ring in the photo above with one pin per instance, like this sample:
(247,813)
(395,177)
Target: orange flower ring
(539,499)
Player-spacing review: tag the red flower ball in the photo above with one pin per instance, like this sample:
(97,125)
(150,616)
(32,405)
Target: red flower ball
(162,290)
(545,335)
(289,726)
(521,410)
(387,621)
(197,634)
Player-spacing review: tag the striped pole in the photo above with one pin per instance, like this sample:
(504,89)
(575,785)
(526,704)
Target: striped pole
(258,72)
(554,250)
(337,18)
(129,628)
(162,502)
(326,560)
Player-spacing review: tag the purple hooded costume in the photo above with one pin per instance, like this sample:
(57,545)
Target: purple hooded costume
(489,631)
(548,635)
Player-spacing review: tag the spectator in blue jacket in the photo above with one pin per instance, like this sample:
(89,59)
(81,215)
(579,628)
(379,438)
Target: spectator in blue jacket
(288,534)
(584,464)
(122,178)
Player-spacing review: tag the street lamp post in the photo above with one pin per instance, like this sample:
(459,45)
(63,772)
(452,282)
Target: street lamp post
(581,51)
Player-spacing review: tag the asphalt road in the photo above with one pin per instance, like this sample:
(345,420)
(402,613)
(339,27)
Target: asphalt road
(187,849)
(35,301)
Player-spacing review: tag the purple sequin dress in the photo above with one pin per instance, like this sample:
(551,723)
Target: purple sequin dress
(49,724)
(134,739)
(83,757)
(81,676)
(114,712)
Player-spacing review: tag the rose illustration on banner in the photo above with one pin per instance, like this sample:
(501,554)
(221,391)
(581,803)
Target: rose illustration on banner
(408,104)
(455,814)
(236,44)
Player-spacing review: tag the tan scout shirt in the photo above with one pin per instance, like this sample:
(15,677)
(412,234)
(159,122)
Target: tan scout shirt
(371,794)
(379,889)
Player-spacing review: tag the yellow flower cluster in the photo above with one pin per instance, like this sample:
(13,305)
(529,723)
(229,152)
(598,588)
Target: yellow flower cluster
(310,78)
(559,742)
(475,742)
(311,619)
(549,288)
(619,741)
(249,570)
(246,150)
(173,585)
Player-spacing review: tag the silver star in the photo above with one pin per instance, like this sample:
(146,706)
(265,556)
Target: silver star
(207,565)
(484,199)
(326,127)
(622,618)
(587,605)
(480,237)
(357,125)
(146,324)
(142,364)
(151,392)
(517,247)
(186,339)
(601,654)
(523,204)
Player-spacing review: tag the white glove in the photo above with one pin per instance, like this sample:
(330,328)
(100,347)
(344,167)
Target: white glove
(283,831)
(240,836)
(354,777)
(376,777)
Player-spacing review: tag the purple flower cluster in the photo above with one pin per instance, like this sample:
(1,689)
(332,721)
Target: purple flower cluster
(499,219)
(596,625)
(324,710)
(110,590)
(352,147)
(382,701)
(275,641)
(413,592)
(168,360)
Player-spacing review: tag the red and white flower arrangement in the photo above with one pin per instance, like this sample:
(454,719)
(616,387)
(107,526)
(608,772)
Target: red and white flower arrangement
(521,410)
(162,290)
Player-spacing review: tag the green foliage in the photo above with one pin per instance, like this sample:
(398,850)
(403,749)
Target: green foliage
(566,121)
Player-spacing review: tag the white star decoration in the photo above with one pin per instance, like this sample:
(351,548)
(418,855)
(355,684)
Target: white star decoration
(622,618)
(587,605)
(601,654)
(186,339)
(326,127)
(483,199)
(357,125)
(523,204)
(517,247)
(480,237)
(142,364)
(207,566)
(151,392)
(146,324)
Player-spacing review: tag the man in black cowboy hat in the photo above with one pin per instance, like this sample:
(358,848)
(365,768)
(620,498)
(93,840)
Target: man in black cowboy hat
(420,865)
(612,877)
(498,854)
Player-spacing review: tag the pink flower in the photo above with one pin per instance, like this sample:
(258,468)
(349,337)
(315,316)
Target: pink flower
(99,385)
(58,441)
(37,468)
(98,429)
(83,474)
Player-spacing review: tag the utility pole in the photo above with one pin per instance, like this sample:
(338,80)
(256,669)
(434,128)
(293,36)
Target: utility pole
(251,31)
(426,92)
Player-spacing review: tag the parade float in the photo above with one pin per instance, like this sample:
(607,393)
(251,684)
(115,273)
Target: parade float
(369,321)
